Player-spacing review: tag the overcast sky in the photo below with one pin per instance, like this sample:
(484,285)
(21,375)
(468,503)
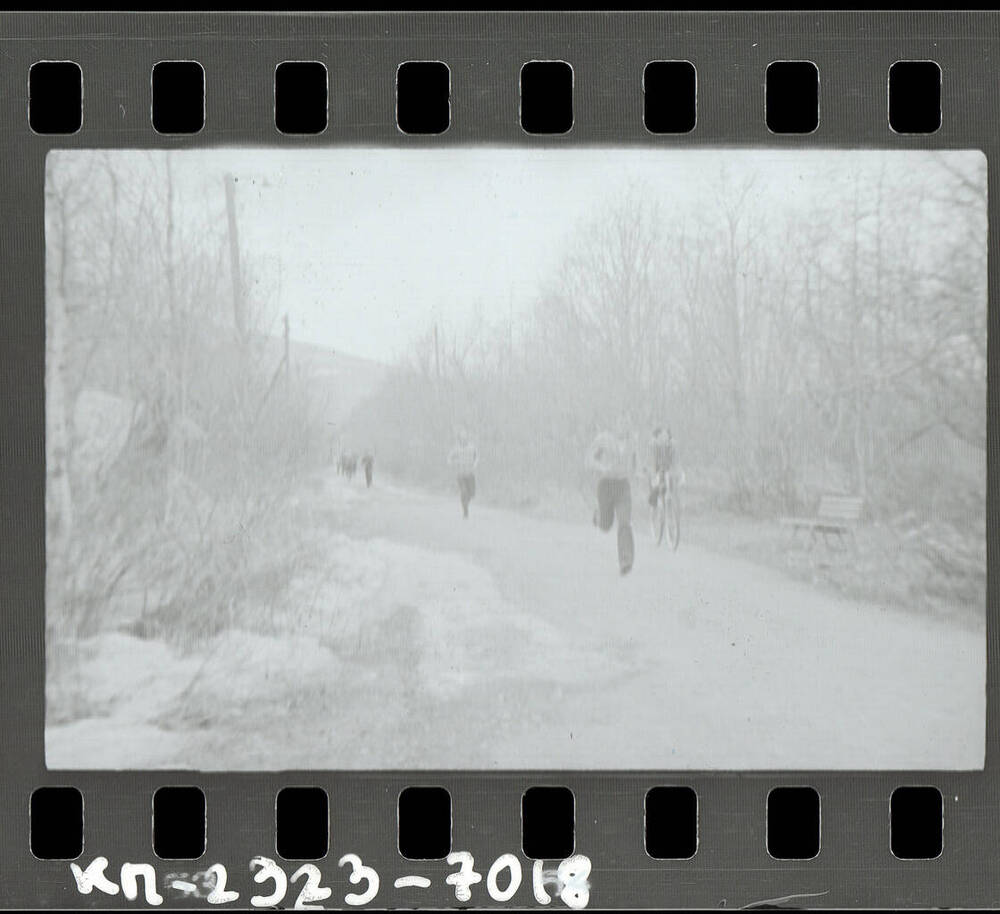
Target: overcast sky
(373,245)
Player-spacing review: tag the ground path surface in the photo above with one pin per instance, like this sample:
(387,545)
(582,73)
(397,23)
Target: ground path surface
(723,662)
(505,641)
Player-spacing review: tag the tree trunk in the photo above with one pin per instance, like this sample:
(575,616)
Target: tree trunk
(58,427)
(860,396)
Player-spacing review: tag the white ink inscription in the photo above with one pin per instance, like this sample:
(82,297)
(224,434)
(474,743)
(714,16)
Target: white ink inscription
(412,882)
(508,862)
(93,877)
(358,872)
(570,881)
(185,888)
(573,873)
(219,894)
(538,883)
(267,869)
(130,874)
(312,890)
(466,875)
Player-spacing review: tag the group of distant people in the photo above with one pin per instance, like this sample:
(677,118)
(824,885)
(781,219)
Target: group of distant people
(347,465)
(613,457)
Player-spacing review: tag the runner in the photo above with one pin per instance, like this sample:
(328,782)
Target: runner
(613,458)
(464,458)
(368,463)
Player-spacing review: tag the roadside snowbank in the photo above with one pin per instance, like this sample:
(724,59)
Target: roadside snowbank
(406,626)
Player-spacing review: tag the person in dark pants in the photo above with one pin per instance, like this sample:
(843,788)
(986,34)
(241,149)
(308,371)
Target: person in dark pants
(466,491)
(348,465)
(613,458)
(464,458)
(661,447)
(368,463)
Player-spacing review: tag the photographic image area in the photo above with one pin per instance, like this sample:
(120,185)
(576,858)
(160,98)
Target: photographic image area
(500,458)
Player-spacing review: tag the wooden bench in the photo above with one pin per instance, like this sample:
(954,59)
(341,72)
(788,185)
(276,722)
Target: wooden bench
(837,514)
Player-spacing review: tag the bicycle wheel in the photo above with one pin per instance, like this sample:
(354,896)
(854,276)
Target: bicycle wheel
(672,511)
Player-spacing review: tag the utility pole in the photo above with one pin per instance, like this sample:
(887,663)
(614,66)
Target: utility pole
(510,329)
(239,312)
(287,360)
(437,354)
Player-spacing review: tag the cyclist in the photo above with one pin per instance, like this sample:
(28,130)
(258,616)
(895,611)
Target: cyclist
(464,458)
(661,447)
(613,458)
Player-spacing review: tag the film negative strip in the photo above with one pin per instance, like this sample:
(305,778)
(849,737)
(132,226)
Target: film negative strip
(498,460)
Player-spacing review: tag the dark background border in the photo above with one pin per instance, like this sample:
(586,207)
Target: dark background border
(853,51)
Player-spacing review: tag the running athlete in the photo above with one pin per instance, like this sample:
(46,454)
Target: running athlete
(368,464)
(612,457)
(464,458)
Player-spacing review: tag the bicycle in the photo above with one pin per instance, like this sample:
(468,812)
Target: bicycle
(665,515)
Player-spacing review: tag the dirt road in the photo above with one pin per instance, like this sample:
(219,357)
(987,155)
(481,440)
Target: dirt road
(708,661)
(505,641)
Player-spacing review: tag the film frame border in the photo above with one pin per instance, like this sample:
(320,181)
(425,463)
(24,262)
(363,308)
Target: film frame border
(731,51)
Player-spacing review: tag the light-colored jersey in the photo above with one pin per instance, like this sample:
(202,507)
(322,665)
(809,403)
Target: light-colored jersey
(661,451)
(463,457)
(612,457)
